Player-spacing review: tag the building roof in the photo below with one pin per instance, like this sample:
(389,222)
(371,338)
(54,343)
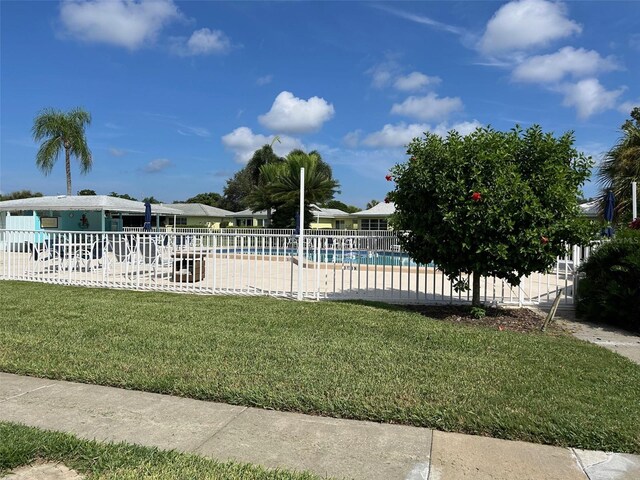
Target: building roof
(200,210)
(380,210)
(249,213)
(591,209)
(327,212)
(83,202)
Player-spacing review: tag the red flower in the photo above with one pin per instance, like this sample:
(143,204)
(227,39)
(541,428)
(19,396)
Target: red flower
(544,240)
(388,177)
(386,199)
(476,196)
(412,159)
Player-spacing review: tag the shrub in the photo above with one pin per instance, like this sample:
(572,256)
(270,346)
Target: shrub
(609,291)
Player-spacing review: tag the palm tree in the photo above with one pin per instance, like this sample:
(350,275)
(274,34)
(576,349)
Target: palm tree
(61,130)
(280,185)
(621,166)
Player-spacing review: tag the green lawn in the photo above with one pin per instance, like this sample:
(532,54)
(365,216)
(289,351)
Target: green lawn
(350,360)
(20,445)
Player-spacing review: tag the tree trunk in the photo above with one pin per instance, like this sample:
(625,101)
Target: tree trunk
(67,155)
(475,300)
(268,217)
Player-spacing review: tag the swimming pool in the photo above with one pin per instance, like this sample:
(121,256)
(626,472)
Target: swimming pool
(354,257)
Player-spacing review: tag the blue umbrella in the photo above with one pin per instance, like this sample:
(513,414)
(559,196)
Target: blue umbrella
(609,206)
(147,217)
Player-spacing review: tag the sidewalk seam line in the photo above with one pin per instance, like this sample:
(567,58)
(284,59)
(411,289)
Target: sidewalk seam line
(26,393)
(430,456)
(223,426)
(580,464)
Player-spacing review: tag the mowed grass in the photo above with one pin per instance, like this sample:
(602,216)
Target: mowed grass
(362,361)
(20,445)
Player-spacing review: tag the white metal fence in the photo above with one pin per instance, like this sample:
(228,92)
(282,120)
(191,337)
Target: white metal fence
(336,266)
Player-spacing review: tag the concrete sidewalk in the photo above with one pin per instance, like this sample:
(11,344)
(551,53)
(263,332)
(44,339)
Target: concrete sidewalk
(325,446)
(615,339)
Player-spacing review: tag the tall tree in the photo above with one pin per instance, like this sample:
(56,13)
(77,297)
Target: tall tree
(20,194)
(621,166)
(492,203)
(280,187)
(151,199)
(212,199)
(237,190)
(263,156)
(371,204)
(126,196)
(62,131)
(86,191)
(340,206)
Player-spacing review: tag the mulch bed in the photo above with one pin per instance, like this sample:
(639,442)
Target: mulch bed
(521,320)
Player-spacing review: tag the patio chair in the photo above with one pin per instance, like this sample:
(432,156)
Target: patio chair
(147,253)
(88,256)
(121,249)
(40,253)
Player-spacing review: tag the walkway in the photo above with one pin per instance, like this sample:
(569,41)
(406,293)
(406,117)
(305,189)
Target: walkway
(325,446)
(620,341)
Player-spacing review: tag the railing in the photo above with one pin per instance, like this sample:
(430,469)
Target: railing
(357,265)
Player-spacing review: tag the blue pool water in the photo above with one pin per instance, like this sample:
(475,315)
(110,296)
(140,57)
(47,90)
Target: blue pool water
(355,257)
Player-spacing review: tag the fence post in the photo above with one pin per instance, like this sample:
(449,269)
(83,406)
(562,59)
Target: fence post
(301,236)
(521,293)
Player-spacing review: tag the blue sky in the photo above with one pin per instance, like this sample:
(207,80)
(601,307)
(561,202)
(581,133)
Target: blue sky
(181,93)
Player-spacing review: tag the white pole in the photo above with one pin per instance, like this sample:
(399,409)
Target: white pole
(634,200)
(301,236)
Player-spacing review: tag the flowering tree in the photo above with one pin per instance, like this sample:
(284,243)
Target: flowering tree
(491,203)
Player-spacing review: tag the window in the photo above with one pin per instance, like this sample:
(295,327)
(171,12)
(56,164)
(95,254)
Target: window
(341,224)
(49,222)
(181,220)
(373,224)
(261,222)
(244,222)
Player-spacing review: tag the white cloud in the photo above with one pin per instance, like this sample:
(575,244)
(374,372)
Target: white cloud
(589,97)
(157,165)
(243,142)
(123,23)
(188,131)
(352,139)
(201,42)
(523,24)
(395,135)
(117,152)
(566,61)
(264,80)
(401,134)
(626,107)
(463,128)
(414,81)
(382,74)
(291,114)
(423,20)
(206,42)
(429,107)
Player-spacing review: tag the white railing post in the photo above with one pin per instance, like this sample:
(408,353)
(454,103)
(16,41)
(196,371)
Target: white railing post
(301,237)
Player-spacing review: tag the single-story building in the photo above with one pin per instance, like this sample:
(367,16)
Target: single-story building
(375,218)
(247,219)
(199,215)
(82,213)
(591,209)
(330,218)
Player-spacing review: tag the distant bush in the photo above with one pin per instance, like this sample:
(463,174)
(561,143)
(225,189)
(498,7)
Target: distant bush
(609,291)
